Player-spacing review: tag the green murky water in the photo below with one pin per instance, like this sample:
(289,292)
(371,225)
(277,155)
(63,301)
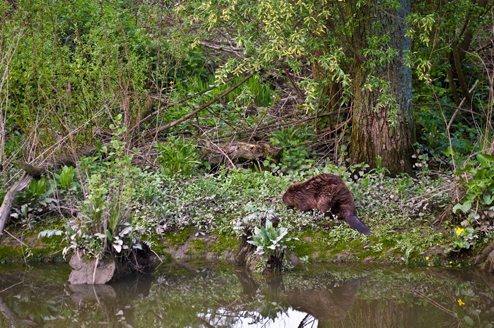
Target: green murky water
(206,295)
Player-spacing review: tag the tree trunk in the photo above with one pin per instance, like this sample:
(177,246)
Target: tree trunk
(383,128)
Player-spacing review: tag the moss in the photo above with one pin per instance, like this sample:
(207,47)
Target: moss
(310,242)
(318,244)
(197,247)
(33,248)
(178,237)
(166,258)
(11,254)
(225,243)
(388,243)
(355,247)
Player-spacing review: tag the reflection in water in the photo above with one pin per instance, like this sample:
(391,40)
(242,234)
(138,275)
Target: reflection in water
(327,304)
(206,296)
(323,303)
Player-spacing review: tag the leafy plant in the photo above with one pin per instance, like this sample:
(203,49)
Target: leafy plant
(36,189)
(105,209)
(294,141)
(177,157)
(479,187)
(464,238)
(269,240)
(65,178)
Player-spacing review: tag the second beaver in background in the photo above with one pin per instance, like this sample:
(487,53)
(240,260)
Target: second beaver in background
(326,192)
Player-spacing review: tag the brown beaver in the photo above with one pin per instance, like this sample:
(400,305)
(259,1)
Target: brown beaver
(326,192)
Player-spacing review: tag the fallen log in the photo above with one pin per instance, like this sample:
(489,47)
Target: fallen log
(239,152)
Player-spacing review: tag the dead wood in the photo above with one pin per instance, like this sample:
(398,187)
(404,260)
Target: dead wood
(238,152)
(9,198)
(481,258)
(34,171)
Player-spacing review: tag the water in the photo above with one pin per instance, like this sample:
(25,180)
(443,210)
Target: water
(207,295)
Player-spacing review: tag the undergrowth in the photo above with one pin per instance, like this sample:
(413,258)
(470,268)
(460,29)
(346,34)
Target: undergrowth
(400,211)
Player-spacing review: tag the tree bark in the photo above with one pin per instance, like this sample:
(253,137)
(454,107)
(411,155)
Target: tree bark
(383,130)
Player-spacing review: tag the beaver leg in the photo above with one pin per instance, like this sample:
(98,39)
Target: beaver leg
(324,204)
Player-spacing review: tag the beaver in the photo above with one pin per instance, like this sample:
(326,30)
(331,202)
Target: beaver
(326,192)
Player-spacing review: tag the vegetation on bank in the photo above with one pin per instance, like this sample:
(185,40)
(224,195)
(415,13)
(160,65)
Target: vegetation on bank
(125,104)
(122,207)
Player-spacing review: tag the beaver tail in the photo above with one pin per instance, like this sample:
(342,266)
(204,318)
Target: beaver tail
(358,225)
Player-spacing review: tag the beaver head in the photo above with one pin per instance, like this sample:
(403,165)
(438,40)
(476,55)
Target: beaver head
(289,195)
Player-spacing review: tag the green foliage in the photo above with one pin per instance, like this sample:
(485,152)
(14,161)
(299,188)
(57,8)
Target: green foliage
(71,68)
(251,93)
(320,40)
(465,238)
(269,240)
(36,189)
(479,196)
(66,178)
(84,62)
(296,150)
(105,212)
(439,93)
(177,157)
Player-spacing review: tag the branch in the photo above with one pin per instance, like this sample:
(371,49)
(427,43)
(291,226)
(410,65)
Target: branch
(194,112)
(230,49)
(177,103)
(448,127)
(459,72)
(9,198)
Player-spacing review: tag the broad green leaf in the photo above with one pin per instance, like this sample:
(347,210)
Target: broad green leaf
(488,199)
(462,207)
(468,320)
(485,160)
(449,151)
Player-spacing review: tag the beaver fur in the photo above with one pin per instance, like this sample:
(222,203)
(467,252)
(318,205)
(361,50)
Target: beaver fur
(326,192)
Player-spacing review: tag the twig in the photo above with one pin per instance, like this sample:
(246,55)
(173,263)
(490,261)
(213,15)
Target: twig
(59,142)
(231,49)
(159,258)
(21,242)
(439,306)
(460,105)
(95,267)
(4,290)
